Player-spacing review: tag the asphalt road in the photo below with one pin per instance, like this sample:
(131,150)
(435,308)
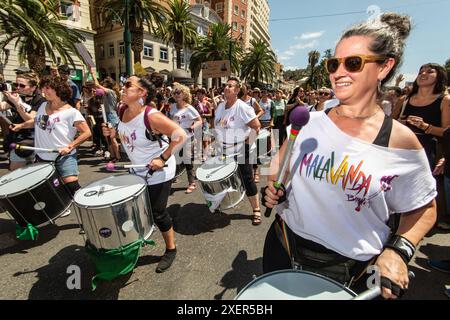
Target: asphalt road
(218,254)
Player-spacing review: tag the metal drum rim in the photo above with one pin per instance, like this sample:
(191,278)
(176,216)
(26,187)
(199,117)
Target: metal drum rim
(9,195)
(349,291)
(214,181)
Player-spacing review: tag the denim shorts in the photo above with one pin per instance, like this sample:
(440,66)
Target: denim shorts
(68,165)
(112,118)
(15,158)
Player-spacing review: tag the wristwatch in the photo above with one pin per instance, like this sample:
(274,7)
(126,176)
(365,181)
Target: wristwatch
(402,246)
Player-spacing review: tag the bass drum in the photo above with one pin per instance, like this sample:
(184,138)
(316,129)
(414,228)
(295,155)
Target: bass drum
(34,194)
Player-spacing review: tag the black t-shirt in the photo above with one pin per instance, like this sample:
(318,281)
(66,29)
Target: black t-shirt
(34,103)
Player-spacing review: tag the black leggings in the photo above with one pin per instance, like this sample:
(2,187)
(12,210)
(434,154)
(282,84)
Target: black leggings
(159,194)
(188,163)
(278,124)
(246,170)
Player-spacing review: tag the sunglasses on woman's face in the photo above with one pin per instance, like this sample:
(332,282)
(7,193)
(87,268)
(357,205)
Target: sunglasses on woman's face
(20,85)
(326,94)
(130,84)
(177,92)
(352,63)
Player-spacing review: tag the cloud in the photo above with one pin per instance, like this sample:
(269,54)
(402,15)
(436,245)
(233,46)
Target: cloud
(301,46)
(286,55)
(310,35)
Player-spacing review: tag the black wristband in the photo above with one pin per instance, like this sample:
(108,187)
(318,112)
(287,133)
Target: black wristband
(402,246)
(162,157)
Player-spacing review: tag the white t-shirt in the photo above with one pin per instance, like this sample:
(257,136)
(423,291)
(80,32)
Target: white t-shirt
(266,106)
(343,189)
(184,117)
(141,150)
(231,124)
(55,131)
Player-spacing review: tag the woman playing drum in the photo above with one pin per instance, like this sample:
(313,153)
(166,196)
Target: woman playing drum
(152,148)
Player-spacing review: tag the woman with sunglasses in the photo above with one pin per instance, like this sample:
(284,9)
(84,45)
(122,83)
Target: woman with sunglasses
(427,111)
(188,118)
(22,106)
(351,168)
(296,100)
(152,148)
(56,126)
(324,95)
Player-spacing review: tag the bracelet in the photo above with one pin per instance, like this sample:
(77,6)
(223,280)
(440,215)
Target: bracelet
(402,246)
(162,158)
(428,130)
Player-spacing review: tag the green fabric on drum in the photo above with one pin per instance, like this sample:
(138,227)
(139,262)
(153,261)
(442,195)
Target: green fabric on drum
(112,263)
(26,233)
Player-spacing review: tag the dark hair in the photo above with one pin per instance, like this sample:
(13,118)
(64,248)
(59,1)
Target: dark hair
(388,37)
(201,91)
(150,87)
(62,88)
(294,95)
(109,83)
(243,90)
(398,90)
(64,69)
(440,86)
(235,79)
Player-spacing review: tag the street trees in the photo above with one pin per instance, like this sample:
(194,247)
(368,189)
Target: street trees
(258,63)
(447,67)
(178,28)
(36,28)
(142,13)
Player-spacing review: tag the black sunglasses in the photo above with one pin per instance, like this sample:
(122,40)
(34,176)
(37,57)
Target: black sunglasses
(324,94)
(352,63)
(20,85)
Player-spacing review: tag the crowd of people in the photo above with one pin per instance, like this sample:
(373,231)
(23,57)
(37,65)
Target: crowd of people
(389,141)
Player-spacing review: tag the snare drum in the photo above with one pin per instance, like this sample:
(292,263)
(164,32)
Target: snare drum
(115,211)
(294,285)
(263,146)
(34,194)
(216,175)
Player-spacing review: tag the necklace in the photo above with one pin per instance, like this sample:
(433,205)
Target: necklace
(356,118)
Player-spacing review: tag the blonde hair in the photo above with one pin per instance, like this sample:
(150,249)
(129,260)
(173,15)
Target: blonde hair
(31,77)
(186,92)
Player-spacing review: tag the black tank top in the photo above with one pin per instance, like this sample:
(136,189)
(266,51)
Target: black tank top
(430,114)
(384,134)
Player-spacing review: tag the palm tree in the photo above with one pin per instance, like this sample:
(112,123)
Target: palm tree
(322,73)
(36,28)
(258,63)
(447,67)
(142,13)
(216,46)
(313,60)
(178,28)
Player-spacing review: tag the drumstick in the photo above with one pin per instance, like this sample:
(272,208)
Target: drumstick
(111,166)
(298,118)
(14,146)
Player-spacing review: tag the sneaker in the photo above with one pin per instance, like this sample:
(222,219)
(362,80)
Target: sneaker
(166,260)
(441,265)
(107,155)
(98,153)
(447,290)
(65,214)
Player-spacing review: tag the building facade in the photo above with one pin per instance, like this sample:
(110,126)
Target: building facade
(258,22)
(78,13)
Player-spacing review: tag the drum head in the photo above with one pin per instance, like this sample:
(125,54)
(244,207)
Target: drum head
(24,178)
(109,191)
(215,169)
(294,285)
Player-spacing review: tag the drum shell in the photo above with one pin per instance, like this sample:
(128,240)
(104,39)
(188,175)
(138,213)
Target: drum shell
(294,285)
(263,147)
(233,180)
(105,225)
(40,204)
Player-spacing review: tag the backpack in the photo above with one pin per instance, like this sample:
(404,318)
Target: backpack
(149,132)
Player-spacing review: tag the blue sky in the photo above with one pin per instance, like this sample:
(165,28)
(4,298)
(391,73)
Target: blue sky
(292,39)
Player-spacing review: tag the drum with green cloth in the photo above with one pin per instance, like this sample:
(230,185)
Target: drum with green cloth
(115,213)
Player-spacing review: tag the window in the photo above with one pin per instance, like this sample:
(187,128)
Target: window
(236,10)
(219,7)
(235,26)
(101,51)
(243,13)
(70,9)
(148,50)
(163,54)
(111,50)
(182,57)
(121,48)
(242,29)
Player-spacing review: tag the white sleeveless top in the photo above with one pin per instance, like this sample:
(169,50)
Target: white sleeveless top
(344,189)
(141,150)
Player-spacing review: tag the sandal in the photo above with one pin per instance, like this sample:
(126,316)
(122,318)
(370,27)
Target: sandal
(191,188)
(256,219)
